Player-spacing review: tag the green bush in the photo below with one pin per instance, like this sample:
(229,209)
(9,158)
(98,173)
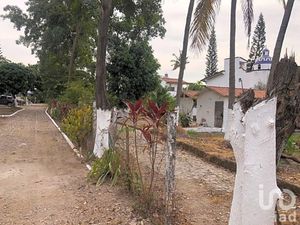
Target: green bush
(108,166)
(78,93)
(78,124)
(185,120)
(161,96)
(293,145)
(59,110)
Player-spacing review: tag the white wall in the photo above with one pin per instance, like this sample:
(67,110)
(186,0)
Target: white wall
(186,105)
(206,107)
(250,79)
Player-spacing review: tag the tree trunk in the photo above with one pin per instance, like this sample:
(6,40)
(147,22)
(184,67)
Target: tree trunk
(286,88)
(73,51)
(232,55)
(253,138)
(170,169)
(103,113)
(101,100)
(279,42)
(231,99)
(184,51)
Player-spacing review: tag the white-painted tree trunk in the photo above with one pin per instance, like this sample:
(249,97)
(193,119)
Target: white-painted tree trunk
(170,169)
(228,123)
(177,111)
(102,132)
(253,138)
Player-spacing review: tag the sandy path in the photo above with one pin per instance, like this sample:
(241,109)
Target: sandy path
(42,182)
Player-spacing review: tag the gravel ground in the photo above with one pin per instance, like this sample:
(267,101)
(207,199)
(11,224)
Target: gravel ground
(43,183)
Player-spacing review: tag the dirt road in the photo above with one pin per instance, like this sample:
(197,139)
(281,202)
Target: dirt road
(42,182)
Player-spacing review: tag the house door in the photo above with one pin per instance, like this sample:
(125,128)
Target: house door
(219,108)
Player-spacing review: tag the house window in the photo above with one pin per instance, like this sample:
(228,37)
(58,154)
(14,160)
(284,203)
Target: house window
(171,88)
(194,118)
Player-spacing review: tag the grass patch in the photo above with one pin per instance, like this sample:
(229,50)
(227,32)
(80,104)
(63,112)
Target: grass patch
(293,145)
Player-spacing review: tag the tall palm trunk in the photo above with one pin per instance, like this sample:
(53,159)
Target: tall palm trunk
(73,51)
(184,51)
(101,100)
(232,55)
(279,42)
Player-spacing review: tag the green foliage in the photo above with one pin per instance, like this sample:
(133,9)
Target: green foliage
(212,56)
(78,124)
(258,40)
(293,145)
(137,20)
(196,86)
(132,72)
(15,79)
(161,96)
(50,30)
(177,59)
(2,58)
(192,133)
(78,93)
(185,120)
(58,110)
(108,166)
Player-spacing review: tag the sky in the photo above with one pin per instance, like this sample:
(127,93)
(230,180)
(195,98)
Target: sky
(175,15)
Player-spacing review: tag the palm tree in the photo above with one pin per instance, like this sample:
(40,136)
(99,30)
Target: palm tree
(280,38)
(184,50)
(204,19)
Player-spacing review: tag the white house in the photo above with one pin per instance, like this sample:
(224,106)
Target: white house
(212,101)
(257,77)
(171,84)
(212,105)
(188,103)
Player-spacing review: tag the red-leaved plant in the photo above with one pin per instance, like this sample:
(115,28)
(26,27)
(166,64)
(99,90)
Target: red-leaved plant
(148,119)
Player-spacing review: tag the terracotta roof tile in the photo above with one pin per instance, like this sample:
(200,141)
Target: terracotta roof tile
(172,80)
(191,94)
(224,91)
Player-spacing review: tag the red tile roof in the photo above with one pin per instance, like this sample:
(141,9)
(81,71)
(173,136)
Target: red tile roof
(224,91)
(191,94)
(172,80)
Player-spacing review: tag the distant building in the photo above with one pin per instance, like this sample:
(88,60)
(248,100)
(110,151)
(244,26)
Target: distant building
(171,84)
(212,102)
(189,103)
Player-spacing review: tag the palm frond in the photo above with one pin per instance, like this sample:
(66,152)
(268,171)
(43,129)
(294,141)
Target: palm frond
(247,8)
(283,3)
(203,22)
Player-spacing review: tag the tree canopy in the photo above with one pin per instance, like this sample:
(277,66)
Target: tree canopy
(15,79)
(132,72)
(63,35)
(212,56)
(258,39)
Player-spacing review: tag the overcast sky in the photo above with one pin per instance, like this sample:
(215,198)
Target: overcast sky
(175,15)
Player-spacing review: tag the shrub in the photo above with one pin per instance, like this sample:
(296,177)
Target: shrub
(78,93)
(78,124)
(162,96)
(293,144)
(109,165)
(185,120)
(58,110)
